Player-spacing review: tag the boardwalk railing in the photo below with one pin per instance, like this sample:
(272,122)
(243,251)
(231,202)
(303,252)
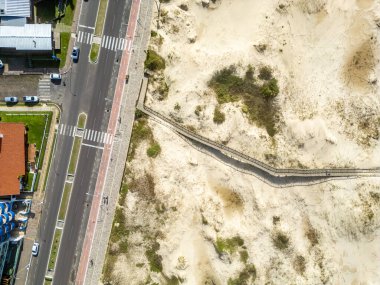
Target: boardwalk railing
(279,172)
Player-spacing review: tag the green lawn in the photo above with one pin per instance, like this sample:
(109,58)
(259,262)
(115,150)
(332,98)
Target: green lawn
(62,54)
(64,201)
(74,155)
(54,248)
(101,16)
(82,120)
(94,52)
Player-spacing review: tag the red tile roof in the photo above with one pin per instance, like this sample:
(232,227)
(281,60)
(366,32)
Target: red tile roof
(12,157)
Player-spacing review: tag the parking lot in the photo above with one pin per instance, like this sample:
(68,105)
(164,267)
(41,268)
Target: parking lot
(19,85)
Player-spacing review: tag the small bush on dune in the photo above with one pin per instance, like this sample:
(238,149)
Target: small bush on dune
(219,116)
(154,61)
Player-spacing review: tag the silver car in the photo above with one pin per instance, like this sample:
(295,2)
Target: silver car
(75,54)
(55,76)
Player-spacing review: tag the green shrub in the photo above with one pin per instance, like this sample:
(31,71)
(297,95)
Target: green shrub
(153,150)
(265,73)
(198,110)
(154,61)
(219,116)
(244,256)
(228,245)
(177,107)
(280,240)
(270,88)
(153,34)
(257,97)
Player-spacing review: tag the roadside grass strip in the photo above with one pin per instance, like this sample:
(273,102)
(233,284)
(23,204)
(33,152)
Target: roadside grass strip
(64,201)
(94,52)
(54,248)
(62,54)
(101,17)
(74,155)
(82,120)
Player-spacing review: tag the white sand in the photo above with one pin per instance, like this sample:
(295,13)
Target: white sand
(346,215)
(330,112)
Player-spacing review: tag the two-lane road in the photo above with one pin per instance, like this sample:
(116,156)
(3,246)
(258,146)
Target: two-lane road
(90,89)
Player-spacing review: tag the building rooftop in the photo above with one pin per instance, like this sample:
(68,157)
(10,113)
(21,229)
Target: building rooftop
(28,37)
(12,157)
(18,8)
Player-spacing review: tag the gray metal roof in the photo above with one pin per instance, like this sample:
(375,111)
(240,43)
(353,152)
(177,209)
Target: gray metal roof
(29,37)
(13,21)
(19,8)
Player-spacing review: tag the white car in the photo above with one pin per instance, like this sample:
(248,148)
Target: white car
(1,64)
(30,99)
(55,76)
(35,248)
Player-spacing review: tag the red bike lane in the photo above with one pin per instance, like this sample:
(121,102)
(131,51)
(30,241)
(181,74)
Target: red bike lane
(106,156)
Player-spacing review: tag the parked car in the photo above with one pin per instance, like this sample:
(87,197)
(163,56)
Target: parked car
(11,100)
(55,76)
(1,64)
(30,99)
(35,248)
(75,54)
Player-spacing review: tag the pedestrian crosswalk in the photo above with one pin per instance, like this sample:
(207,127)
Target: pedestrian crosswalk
(85,37)
(115,44)
(86,134)
(107,42)
(44,88)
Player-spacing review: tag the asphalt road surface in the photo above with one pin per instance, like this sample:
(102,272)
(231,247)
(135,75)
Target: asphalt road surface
(89,88)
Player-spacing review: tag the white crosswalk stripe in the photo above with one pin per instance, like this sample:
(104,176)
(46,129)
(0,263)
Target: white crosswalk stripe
(44,88)
(85,37)
(114,43)
(88,134)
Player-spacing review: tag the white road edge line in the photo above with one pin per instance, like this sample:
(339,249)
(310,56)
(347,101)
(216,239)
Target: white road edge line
(94,146)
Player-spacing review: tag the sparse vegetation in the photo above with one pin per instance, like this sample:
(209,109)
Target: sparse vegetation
(154,61)
(247,276)
(153,34)
(280,240)
(299,264)
(155,260)
(258,98)
(228,245)
(154,150)
(177,107)
(219,116)
(312,235)
(140,132)
(198,110)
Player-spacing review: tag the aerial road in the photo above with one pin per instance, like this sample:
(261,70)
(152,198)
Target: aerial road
(89,88)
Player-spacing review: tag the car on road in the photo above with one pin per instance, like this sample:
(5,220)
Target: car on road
(55,76)
(1,64)
(75,54)
(35,248)
(30,99)
(10,100)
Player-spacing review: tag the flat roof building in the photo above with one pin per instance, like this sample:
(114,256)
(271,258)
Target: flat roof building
(29,37)
(12,157)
